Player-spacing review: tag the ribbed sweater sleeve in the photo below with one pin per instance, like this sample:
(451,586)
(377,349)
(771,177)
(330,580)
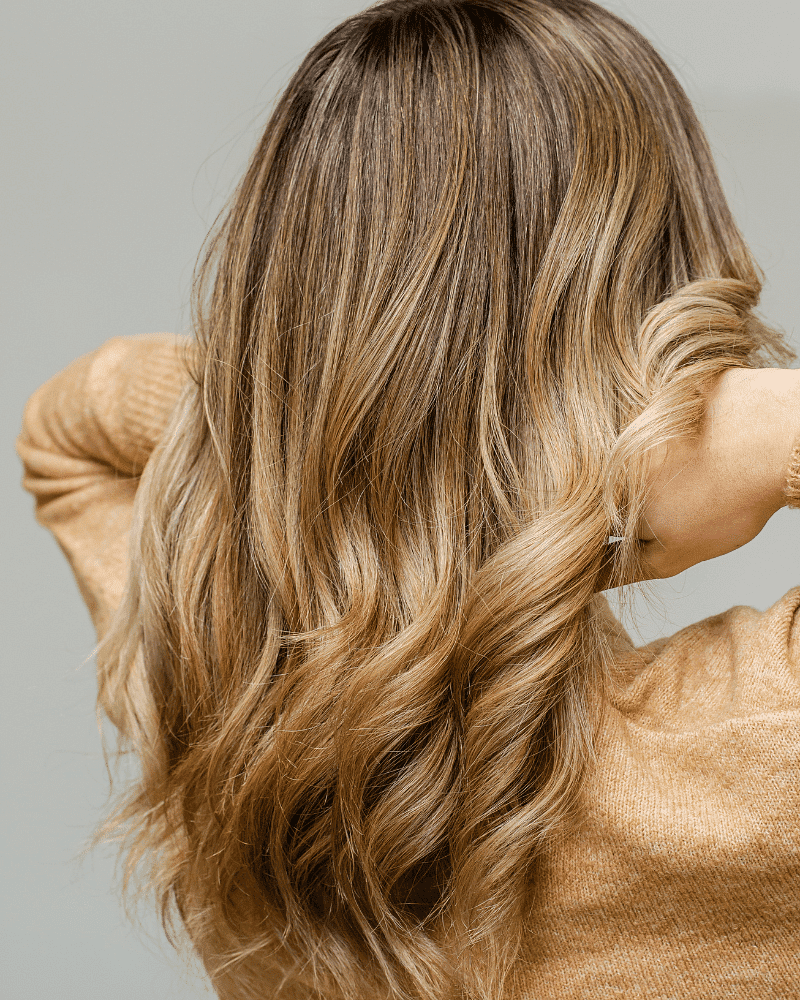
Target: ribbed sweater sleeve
(86,436)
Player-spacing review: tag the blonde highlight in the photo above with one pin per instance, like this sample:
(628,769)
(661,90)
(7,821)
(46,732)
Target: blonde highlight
(480,264)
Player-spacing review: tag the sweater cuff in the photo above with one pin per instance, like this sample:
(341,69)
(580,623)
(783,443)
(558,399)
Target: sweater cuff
(791,488)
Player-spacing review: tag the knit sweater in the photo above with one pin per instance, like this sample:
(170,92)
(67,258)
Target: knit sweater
(684,879)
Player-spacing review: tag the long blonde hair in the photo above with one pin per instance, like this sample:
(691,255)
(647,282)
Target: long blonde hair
(480,262)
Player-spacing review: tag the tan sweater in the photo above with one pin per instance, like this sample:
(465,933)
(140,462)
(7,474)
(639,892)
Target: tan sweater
(685,879)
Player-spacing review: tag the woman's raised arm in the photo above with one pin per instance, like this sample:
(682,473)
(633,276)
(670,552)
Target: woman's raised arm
(86,436)
(714,494)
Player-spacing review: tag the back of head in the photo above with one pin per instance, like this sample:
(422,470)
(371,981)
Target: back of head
(479,263)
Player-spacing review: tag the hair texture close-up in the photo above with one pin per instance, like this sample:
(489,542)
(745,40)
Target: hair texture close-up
(479,265)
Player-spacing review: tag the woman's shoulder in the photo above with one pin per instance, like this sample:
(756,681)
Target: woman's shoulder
(733,665)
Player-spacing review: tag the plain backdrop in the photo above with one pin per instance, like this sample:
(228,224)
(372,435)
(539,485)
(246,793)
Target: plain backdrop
(125,126)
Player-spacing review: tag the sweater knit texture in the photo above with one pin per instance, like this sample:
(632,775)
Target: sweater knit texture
(684,879)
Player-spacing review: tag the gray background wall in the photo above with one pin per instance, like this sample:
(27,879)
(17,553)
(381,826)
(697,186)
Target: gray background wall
(125,125)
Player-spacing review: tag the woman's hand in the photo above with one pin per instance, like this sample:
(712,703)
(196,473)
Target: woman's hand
(715,493)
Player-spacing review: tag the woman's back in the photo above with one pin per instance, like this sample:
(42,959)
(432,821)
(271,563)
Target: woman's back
(480,266)
(681,879)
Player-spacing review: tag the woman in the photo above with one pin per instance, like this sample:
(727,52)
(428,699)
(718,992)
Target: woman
(478,307)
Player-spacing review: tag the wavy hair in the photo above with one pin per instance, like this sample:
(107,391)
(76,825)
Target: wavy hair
(479,264)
